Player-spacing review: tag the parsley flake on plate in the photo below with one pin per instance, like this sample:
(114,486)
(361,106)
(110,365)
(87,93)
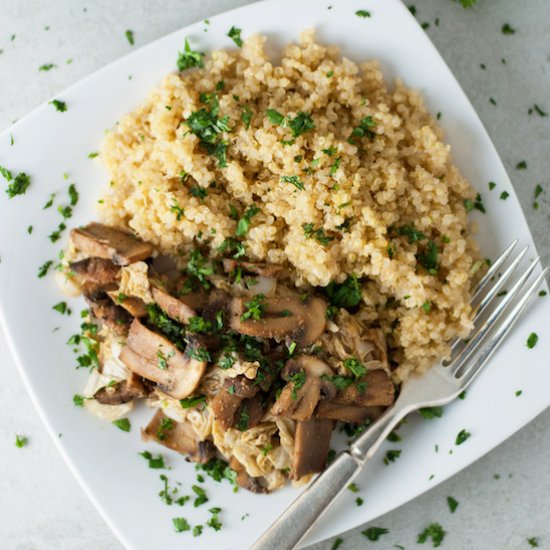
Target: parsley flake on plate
(154,462)
(363,13)
(462,436)
(21,441)
(17,185)
(122,424)
(235,35)
(532,340)
(59,105)
(130,37)
(180,525)
(189,58)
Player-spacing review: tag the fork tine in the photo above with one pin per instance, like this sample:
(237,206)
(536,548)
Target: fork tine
(481,360)
(491,293)
(493,270)
(457,362)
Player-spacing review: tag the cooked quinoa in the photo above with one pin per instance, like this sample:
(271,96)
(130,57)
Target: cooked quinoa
(340,174)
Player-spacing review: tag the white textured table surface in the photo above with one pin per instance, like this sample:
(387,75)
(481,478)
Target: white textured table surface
(504,497)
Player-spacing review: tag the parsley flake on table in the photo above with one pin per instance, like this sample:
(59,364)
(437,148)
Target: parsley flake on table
(189,58)
(462,436)
(337,543)
(468,3)
(533,542)
(508,29)
(453,504)
(59,105)
(235,35)
(374,533)
(522,165)
(122,424)
(363,13)
(532,340)
(21,441)
(130,37)
(536,109)
(433,531)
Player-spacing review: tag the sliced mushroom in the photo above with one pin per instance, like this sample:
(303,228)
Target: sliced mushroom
(254,484)
(302,322)
(264,269)
(241,386)
(136,307)
(249,413)
(375,389)
(347,413)
(305,388)
(181,437)
(224,406)
(96,270)
(122,392)
(102,241)
(155,358)
(174,307)
(218,301)
(103,308)
(227,405)
(311,446)
(195,298)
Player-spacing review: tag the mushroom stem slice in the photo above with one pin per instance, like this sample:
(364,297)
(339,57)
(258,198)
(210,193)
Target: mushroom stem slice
(347,413)
(174,308)
(311,446)
(103,308)
(155,358)
(102,241)
(122,392)
(253,484)
(178,436)
(96,270)
(375,389)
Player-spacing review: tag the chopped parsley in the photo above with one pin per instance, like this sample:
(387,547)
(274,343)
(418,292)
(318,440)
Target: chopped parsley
(298,380)
(364,129)
(363,13)
(411,233)
(337,543)
(198,192)
(353,488)
(122,424)
(73,194)
(189,58)
(62,308)
(453,504)
(130,37)
(477,204)
(17,185)
(346,294)
(214,521)
(433,531)
(78,400)
(177,210)
(243,225)
(431,412)
(275,117)
(154,462)
(235,35)
(199,267)
(317,234)
(428,258)
(522,165)
(492,185)
(180,525)
(537,110)
(46,67)
(246,116)
(166,425)
(391,456)
(207,126)
(201,496)
(355,366)
(254,308)
(532,340)
(43,269)
(374,533)
(504,195)
(294,180)
(197,530)
(200,354)
(59,105)
(533,542)
(462,436)
(190,402)
(301,124)
(21,441)
(507,29)
(54,236)
(236,248)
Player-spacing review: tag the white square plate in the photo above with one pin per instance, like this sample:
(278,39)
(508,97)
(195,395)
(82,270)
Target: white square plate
(48,144)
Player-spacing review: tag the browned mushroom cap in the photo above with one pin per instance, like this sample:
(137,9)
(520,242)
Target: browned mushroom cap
(180,437)
(136,307)
(305,388)
(264,269)
(224,406)
(254,484)
(311,446)
(122,392)
(155,358)
(96,270)
(102,241)
(379,391)
(303,322)
(174,307)
(241,386)
(347,413)
(249,414)
(103,308)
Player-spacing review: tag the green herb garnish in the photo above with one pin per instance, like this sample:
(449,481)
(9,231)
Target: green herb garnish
(235,35)
(189,58)
(122,424)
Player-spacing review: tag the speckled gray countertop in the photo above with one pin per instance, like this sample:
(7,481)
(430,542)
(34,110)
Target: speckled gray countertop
(504,497)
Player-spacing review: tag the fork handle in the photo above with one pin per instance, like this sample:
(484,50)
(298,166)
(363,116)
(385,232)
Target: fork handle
(299,517)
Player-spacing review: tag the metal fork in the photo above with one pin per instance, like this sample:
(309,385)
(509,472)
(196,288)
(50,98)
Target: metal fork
(440,385)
